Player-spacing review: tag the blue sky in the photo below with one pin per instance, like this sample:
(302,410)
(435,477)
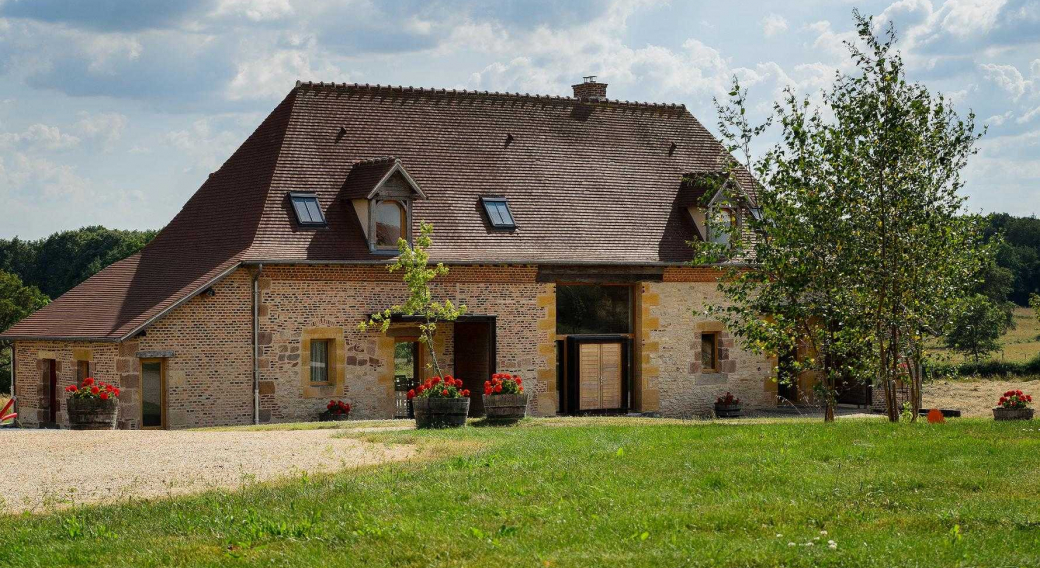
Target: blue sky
(114,112)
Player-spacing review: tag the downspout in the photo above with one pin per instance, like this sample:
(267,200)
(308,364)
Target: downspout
(256,343)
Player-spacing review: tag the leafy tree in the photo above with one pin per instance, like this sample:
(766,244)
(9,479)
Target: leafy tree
(414,262)
(16,301)
(976,327)
(864,250)
(59,262)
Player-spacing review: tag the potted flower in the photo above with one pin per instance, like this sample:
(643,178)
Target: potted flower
(504,398)
(440,403)
(92,405)
(335,411)
(1014,405)
(727,406)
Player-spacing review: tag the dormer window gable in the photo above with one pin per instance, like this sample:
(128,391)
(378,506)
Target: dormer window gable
(704,198)
(382,193)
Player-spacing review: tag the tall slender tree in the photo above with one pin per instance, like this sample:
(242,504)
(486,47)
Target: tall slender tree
(863,247)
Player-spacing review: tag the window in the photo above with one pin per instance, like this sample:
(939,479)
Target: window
(724,223)
(82,371)
(391,219)
(590,308)
(308,210)
(499,215)
(709,352)
(319,360)
(153,394)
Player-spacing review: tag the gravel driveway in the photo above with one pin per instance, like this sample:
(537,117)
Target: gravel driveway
(45,469)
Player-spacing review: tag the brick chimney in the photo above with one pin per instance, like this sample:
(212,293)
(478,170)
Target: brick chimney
(590,90)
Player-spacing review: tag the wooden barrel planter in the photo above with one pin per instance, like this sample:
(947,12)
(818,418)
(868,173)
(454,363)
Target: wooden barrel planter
(327,416)
(505,408)
(92,413)
(1012,413)
(440,412)
(727,410)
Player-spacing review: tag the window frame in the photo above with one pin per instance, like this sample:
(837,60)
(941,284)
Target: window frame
(309,224)
(487,202)
(328,360)
(714,368)
(404,206)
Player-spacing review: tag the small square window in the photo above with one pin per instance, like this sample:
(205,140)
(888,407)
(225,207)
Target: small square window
(308,210)
(499,215)
(319,360)
(709,352)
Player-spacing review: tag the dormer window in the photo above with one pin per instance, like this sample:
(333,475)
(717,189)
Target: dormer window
(307,209)
(391,220)
(382,193)
(723,226)
(498,213)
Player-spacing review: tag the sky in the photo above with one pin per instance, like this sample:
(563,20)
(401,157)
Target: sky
(114,112)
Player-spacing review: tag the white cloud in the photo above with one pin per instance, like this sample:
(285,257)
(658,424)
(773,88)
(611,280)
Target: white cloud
(107,127)
(272,75)
(1007,77)
(999,119)
(773,24)
(967,17)
(1035,67)
(39,137)
(1029,116)
(255,10)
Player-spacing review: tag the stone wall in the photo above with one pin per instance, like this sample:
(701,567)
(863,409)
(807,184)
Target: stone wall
(295,300)
(33,376)
(671,322)
(207,346)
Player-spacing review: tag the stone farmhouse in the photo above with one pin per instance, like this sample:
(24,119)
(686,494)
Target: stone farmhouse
(565,222)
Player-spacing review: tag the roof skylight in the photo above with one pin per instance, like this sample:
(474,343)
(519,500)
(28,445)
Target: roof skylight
(499,215)
(307,208)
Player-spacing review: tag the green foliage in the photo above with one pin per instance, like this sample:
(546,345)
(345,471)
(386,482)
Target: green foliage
(986,368)
(863,247)
(16,301)
(1018,251)
(58,263)
(414,263)
(959,494)
(976,326)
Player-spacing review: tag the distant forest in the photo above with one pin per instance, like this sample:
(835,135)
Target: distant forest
(57,263)
(1019,253)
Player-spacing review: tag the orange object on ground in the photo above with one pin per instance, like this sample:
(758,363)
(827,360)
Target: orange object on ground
(935,416)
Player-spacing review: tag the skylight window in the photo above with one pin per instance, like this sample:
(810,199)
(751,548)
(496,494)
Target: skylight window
(499,215)
(308,210)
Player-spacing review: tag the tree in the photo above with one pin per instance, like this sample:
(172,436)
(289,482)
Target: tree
(16,301)
(414,262)
(59,262)
(976,327)
(864,248)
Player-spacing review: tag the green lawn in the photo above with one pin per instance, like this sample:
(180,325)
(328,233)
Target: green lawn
(613,493)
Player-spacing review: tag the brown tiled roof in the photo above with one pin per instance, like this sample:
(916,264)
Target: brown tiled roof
(365,175)
(587,182)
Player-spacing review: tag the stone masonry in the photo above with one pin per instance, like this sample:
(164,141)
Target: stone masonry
(207,349)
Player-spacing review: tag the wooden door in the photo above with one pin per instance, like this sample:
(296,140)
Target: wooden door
(474,359)
(600,372)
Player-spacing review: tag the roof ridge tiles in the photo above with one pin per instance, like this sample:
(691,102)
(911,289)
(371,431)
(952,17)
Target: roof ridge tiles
(321,85)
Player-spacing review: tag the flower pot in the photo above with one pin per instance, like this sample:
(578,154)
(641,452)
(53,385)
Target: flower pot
(92,413)
(327,416)
(505,408)
(1001,413)
(727,410)
(440,412)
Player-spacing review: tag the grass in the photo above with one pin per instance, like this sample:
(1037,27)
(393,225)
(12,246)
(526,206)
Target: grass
(606,493)
(1019,345)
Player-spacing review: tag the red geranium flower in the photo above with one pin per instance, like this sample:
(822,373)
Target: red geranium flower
(88,381)
(94,390)
(104,395)
(465,393)
(498,388)
(411,394)
(444,392)
(487,390)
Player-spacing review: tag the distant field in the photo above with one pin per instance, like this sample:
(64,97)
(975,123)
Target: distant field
(1019,344)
